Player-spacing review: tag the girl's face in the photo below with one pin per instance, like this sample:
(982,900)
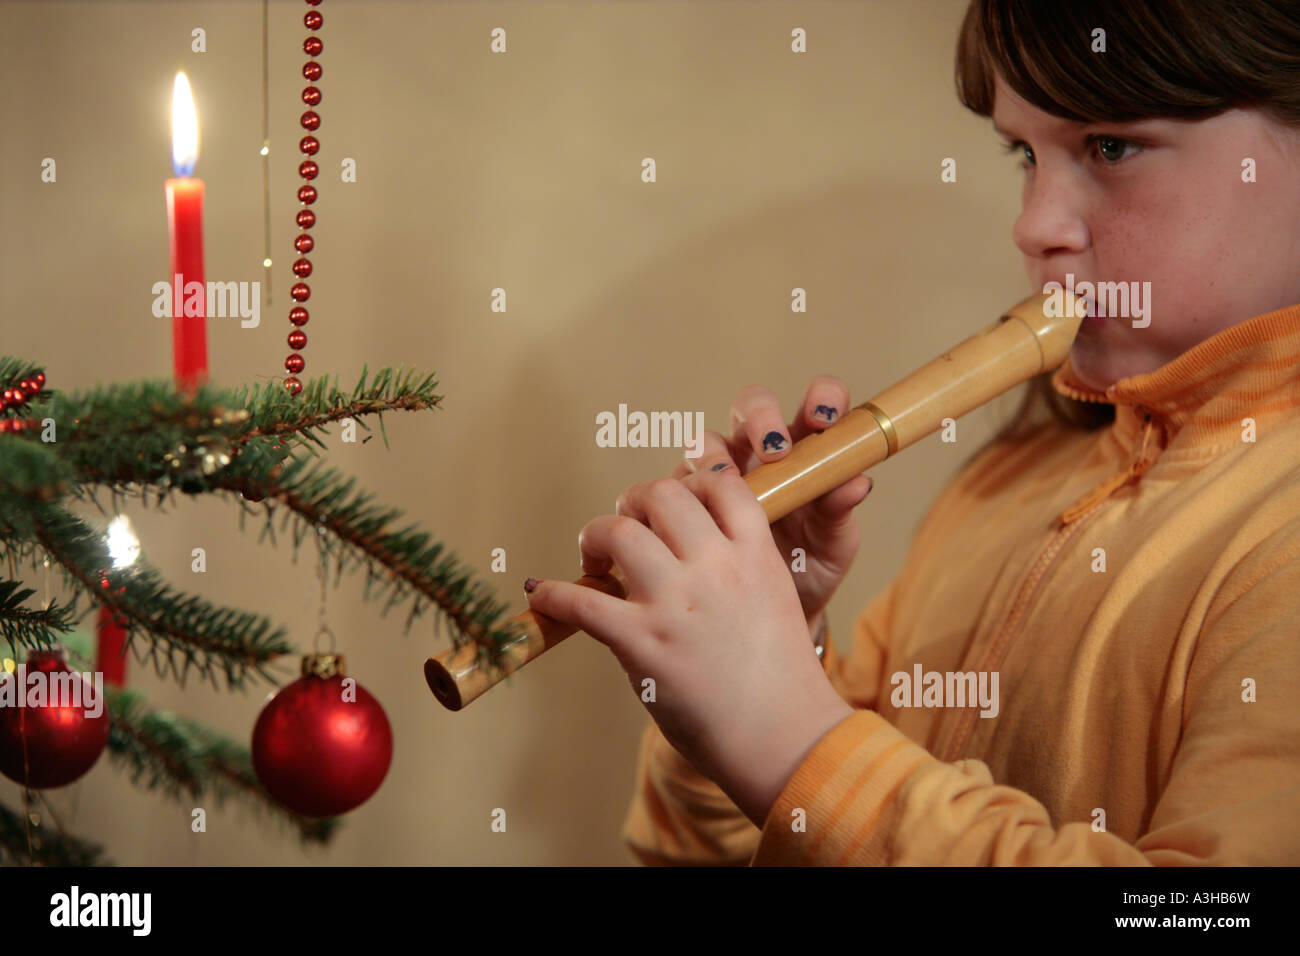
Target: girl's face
(1163,202)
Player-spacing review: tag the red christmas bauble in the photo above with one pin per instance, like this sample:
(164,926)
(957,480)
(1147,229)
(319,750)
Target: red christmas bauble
(321,746)
(60,739)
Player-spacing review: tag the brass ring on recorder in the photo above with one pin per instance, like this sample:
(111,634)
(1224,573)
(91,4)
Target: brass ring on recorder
(886,425)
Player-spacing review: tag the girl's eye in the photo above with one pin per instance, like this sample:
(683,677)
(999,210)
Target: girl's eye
(1112,149)
(1017,147)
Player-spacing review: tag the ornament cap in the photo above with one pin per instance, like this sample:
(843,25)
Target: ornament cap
(322,665)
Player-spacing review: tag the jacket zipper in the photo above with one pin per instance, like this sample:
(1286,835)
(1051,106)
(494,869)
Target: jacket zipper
(1073,519)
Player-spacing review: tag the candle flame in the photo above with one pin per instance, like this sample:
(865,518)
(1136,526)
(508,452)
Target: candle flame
(185,128)
(122,542)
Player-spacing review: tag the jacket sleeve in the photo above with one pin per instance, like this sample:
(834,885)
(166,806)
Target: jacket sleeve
(678,816)
(869,795)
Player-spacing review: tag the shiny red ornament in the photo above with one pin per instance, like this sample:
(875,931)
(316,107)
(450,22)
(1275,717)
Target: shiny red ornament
(307,169)
(309,145)
(11,396)
(312,20)
(311,96)
(302,268)
(40,379)
(307,194)
(310,120)
(304,244)
(306,219)
(298,315)
(61,741)
(319,747)
(312,70)
(300,292)
(295,363)
(292,385)
(297,339)
(312,46)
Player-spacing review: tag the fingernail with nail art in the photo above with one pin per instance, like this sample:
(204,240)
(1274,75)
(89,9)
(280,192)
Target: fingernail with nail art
(774,441)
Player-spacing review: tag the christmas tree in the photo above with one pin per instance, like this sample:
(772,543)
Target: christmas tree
(257,446)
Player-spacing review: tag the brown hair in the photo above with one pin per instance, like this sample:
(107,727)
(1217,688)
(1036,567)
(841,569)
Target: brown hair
(1188,59)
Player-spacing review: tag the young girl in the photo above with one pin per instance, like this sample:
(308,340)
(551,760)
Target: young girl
(1127,584)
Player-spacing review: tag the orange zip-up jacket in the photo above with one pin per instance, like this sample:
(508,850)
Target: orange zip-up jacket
(1136,590)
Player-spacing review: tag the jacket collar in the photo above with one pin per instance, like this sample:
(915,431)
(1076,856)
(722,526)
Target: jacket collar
(1249,370)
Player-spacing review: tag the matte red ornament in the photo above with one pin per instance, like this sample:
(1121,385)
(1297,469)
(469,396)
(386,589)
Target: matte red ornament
(298,315)
(307,194)
(295,363)
(312,70)
(306,219)
(311,96)
(319,747)
(304,244)
(309,145)
(297,339)
(312,46)
(300,292)
(310,120)
(292,385)
(312,20)
(61,741)
(302,268)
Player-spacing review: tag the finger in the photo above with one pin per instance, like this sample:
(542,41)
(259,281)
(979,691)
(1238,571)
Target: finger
(732,504)
(607,540)
(609,620)
(714,448)
(672,511)
(837,504)
(826,399)
(757,413)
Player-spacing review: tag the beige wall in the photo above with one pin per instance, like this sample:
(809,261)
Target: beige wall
(475,171)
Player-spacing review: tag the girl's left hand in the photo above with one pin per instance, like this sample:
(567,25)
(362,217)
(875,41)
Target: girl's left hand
(713,618)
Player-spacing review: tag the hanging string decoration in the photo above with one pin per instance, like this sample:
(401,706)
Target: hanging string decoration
(303,244)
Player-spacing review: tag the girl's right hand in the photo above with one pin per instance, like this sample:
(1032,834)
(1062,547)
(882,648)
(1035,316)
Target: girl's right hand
(824,528)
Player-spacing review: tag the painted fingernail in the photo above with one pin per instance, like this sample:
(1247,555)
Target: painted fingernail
(774,441)
(530,585)
(827,413)
(720,466)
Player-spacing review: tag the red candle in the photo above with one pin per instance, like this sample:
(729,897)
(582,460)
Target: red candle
(109,659)
(185,231)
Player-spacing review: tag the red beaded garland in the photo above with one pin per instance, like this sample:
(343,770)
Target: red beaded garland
(308,170)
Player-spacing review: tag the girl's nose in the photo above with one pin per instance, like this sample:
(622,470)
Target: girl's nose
(1050,220)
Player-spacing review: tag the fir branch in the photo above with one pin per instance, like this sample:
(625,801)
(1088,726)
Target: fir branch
(273,411)
(400,563)
(188,762)
(183,628)
(27,626)
(29,470)
(54,849)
